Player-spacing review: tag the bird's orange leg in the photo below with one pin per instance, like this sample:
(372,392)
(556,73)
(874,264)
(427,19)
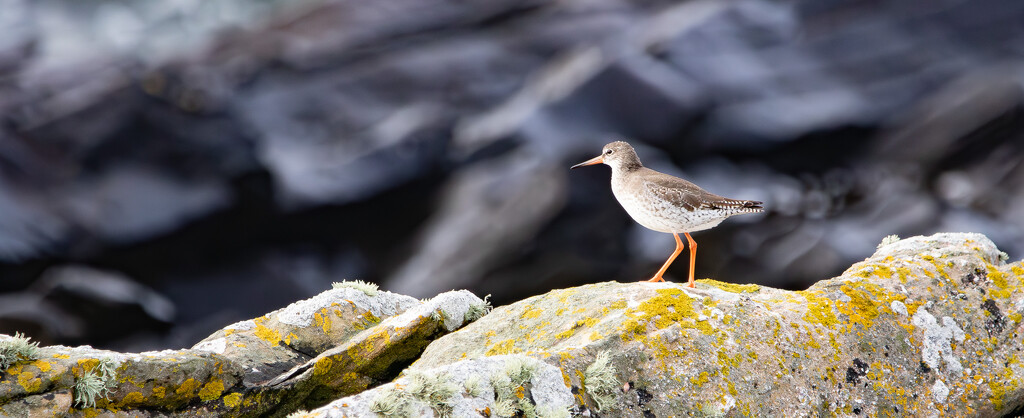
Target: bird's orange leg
(693,254)
(679,249)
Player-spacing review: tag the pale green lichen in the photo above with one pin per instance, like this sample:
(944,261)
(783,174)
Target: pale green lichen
(478,309)
(439,315)
(302,413)
(889,239)
(16,349)
(435,390)
(505,408)
(392,402)
(472,386)
(88,388)
(370,289)
(547,411)
(95,383)
(601,383)
(510,388)
(1003,256)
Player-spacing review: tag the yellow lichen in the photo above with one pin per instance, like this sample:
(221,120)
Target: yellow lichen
(700,379)
(504,347)
(211,390)
(531,313)
(670,306)
(187,387)
(265,333)
(819,310)
(732,287)
(27,380)
(159,392)
(133,398)
(322,320)
(232,400)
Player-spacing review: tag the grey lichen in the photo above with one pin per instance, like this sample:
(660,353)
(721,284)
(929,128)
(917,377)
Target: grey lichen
(505,408)
(16,349)
(95,383)
(439,315)
(889,239)
(393,402)
(435,390)
(547,411)
(507,382)
(472,386)
(88,388)
(601,383)
(478,310)
(370,289)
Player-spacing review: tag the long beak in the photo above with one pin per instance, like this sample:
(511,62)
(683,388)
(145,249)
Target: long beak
(592,161)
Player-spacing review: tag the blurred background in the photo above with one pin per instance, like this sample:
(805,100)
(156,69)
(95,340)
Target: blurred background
(168,168)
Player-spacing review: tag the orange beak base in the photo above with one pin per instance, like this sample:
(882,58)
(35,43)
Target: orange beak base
(592,161)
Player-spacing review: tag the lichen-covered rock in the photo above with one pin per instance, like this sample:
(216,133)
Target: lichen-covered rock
(370,357)
(337,343)
(276,342)
(489,386)
(925,326)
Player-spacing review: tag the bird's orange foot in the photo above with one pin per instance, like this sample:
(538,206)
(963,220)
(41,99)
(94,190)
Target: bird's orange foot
(656,279)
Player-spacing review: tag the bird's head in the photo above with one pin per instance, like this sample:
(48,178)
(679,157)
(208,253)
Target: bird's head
(618,155)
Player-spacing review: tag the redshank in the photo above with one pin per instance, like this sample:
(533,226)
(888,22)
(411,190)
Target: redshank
(665,203)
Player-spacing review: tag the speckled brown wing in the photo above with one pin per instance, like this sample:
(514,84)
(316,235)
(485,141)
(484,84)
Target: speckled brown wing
(689,196)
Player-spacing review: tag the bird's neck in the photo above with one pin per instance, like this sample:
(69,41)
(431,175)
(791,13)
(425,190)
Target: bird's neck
(629,167)
(620,171)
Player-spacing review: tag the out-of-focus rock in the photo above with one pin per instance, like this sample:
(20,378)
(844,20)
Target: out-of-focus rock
(73,301)
(490,210)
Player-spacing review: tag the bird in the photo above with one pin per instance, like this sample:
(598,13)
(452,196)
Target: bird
(665,203)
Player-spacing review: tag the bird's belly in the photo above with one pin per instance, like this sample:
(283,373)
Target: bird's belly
(662,216)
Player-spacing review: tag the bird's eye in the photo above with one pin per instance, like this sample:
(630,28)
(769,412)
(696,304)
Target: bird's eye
(607,152)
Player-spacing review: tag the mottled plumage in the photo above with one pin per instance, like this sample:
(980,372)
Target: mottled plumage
(665,203)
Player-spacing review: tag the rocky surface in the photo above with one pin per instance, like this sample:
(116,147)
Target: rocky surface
(339,342)
(925,326)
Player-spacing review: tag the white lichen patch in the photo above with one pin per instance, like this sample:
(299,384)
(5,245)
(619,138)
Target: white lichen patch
(245,325)
(940,245)
(899,308)
(889,239)
(449,307)
(383,305)
(214,346)
(370,289)
(940,391)
(938,339)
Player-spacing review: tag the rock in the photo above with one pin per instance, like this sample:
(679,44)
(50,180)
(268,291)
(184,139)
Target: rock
(498,384)
(926,325)
(489,210)
(337,343)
